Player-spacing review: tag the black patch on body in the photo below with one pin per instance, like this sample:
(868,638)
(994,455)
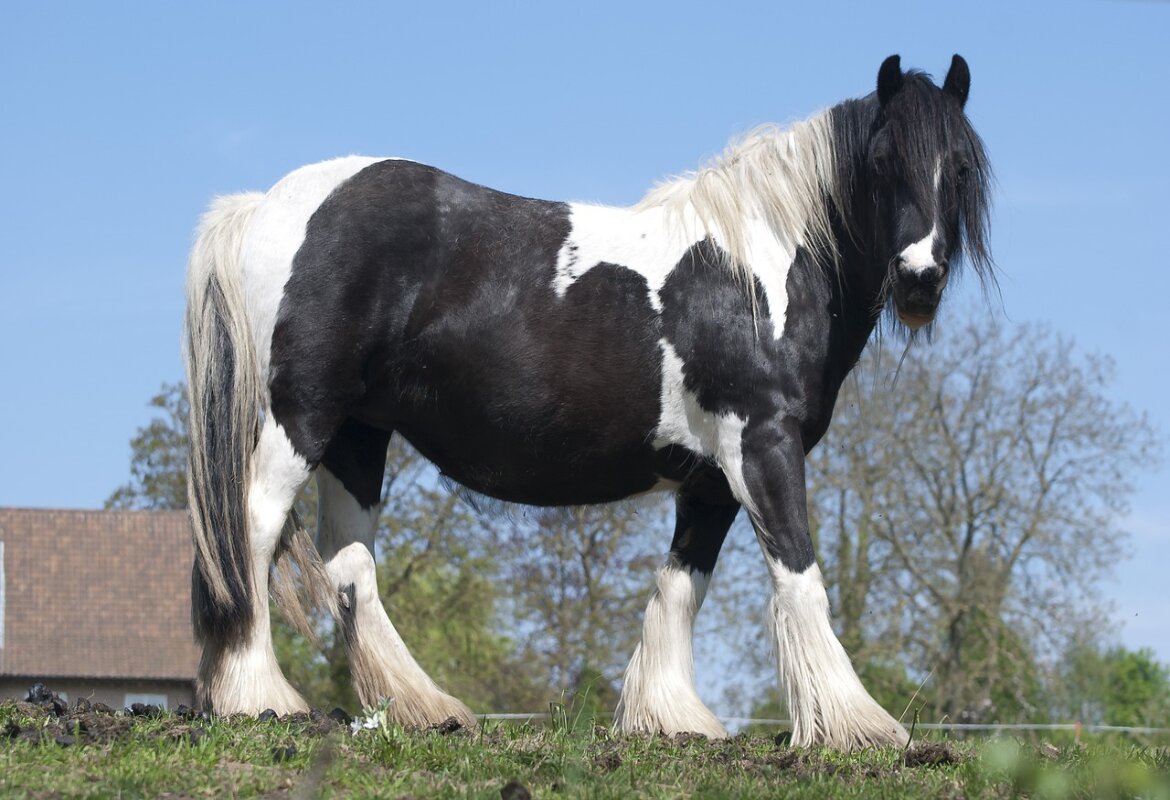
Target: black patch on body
(423,304)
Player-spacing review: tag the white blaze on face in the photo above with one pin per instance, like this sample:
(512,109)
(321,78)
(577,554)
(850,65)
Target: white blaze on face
(920,255)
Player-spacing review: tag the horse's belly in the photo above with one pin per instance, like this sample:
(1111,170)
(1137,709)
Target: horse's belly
(546,468)
(546,401)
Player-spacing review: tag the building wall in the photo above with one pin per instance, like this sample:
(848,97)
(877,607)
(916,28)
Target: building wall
(113,693)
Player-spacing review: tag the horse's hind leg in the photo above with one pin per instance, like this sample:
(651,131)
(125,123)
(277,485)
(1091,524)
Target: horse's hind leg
(241,674)
(658,693)
(349,483)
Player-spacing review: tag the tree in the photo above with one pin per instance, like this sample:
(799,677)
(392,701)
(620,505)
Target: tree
(580,579)
(158,460)
(967,503)
(1114,686)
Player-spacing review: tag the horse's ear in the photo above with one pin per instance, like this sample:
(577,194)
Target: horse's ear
(889,78)
(958,82)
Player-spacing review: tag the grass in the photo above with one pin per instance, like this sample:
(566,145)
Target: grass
(175,755)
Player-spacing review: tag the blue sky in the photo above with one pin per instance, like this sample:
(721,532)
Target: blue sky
(121,121)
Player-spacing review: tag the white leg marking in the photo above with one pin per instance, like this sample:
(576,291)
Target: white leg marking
(245,676)
(383,667)
(826,700)
(658,694)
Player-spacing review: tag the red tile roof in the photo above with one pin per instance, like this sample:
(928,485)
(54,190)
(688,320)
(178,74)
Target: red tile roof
(96,594)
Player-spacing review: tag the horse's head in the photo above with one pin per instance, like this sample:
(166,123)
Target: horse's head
(928,177)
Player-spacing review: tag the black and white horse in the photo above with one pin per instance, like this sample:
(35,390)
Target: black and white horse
(560,354)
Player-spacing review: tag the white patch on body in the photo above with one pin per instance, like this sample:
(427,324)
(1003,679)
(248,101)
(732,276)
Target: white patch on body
(774,254)
(658,693)
(826,700)
(277,232)
(640,241)
(383,667)
(651,241)
(683,422)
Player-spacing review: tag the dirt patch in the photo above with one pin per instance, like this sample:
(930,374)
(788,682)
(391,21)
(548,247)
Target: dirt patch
(447,727)
(933,754)
(47,717)
(605,755)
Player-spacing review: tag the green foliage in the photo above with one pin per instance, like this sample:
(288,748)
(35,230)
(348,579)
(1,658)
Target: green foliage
(1113,687)
(579,580)
(891,687)
(158,460)
(320,671)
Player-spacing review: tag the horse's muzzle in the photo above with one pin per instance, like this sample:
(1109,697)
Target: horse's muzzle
(917,293)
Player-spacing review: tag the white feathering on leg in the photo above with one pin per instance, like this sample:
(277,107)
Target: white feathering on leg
(658,694)
(244,676)
(383,667)
(826,700)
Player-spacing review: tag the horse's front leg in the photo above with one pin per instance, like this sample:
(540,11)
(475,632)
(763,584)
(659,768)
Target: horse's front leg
(658,693)
(826,700)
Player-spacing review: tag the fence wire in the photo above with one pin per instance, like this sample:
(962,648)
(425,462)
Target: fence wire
(987,727)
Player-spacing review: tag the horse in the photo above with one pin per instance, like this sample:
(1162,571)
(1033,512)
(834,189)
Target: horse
(562,354)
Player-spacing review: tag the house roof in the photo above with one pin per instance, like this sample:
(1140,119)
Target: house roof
(96,594)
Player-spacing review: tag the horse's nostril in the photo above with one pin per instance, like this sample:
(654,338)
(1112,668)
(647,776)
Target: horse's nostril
(932,274)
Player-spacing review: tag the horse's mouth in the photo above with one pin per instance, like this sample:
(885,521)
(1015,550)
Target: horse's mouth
(915,319)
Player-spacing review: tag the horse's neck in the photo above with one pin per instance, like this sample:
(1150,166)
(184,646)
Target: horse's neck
(851,285)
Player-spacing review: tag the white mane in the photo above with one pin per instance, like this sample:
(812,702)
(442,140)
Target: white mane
(784,178)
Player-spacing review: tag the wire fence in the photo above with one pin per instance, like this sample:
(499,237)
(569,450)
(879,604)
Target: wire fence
(1076,728)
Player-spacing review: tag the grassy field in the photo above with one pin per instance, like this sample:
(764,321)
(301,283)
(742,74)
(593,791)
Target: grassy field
(91,752)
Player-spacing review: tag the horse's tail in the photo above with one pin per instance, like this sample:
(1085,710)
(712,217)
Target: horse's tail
(226,394)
